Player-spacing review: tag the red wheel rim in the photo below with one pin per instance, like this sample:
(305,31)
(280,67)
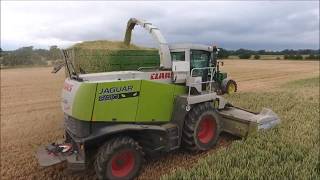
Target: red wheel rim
(207,129)
(122,163)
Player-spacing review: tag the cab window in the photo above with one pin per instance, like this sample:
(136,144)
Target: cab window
(199,59)
(178,56)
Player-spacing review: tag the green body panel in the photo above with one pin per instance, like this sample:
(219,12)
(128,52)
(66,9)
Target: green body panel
(112,106)
(129,101)
(179,90)
(99,60)
(84,101)
(220,76)
(156,101)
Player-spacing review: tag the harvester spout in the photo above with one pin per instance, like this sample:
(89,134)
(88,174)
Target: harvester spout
(165,58)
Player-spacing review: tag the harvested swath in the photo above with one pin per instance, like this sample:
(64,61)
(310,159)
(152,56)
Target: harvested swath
(108,45)
(103,56)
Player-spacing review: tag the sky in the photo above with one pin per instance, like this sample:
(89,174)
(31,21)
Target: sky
(254,25)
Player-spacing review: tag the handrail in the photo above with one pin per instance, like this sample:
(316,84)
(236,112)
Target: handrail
(150,67)
(213,69)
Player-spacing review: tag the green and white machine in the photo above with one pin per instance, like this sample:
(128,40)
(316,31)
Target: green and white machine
(113,119)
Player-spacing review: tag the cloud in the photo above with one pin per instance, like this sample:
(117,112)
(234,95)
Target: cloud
(254,25)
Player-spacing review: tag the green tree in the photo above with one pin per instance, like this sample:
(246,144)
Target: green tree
(223,54)
(245,56)
(54,53)
(256,56)
(298,57)
(313,57)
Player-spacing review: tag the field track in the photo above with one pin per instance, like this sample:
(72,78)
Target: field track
(31,115)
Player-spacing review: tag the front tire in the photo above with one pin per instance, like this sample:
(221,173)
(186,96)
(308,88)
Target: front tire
(201,128)
(119,158)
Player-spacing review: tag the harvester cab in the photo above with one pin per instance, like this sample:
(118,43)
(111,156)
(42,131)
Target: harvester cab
(113,118)
(188,62)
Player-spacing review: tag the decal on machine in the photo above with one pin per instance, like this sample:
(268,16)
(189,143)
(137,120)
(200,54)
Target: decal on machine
(114,93)
(67,87)
(161,75)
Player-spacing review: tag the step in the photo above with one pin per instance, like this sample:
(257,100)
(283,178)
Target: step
(173,135)
(194,99)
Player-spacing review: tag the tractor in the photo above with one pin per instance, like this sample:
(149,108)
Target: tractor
(113,119)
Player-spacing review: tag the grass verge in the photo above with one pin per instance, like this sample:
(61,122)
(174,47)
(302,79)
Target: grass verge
(290,150)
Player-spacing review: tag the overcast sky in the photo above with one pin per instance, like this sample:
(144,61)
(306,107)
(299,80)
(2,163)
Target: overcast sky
(232,25)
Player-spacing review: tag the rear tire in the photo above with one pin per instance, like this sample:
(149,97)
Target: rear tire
(231,87)
(201,128)
(119,158)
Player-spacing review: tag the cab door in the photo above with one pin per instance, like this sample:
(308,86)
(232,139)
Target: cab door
(180,66)
(200,59)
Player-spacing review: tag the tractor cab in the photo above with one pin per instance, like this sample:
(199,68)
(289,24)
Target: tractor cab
(198,67)
(189,56)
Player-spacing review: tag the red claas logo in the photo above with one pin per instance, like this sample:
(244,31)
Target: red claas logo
(67,87)
(161,75)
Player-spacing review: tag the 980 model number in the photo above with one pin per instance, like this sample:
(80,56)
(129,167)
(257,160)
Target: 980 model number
(108,97)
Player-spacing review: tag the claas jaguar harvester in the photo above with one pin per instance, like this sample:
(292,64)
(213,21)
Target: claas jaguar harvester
(113,119)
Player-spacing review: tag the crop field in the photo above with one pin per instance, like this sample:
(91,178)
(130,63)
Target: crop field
(31,116)
(268,57)
(263,57)
(289,151)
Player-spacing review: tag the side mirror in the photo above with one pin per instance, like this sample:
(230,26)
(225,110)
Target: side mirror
(217,52)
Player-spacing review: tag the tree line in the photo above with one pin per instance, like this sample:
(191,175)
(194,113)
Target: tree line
(309,54)
(30,56)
